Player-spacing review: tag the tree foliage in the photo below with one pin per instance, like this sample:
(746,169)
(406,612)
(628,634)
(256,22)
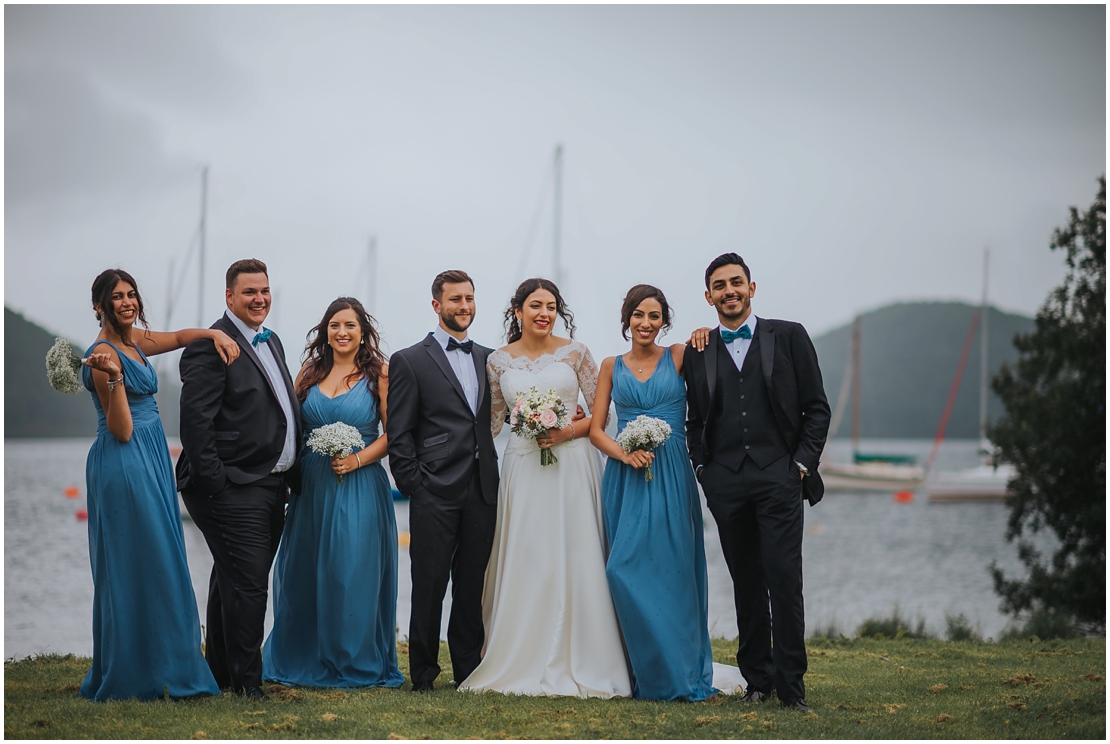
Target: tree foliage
(1054,433)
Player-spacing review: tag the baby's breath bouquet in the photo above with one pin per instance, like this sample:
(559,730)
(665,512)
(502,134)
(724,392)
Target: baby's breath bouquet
(62,367)
(644,433)
(335,440)
(535,414)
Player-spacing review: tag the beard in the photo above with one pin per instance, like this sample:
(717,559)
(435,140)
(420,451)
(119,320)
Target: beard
(745,303)
(453,323)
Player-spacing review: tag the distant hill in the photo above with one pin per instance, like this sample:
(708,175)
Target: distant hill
(34,409)
(909,354)
(908,358)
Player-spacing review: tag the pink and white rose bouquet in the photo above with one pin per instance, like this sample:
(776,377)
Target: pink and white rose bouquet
(535,414)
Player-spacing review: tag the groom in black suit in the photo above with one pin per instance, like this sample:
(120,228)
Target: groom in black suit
(757,419)
(240,431)
(442,457)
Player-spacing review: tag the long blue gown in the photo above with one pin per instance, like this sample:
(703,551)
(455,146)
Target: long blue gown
(335,576)
(146,629)
(656,567)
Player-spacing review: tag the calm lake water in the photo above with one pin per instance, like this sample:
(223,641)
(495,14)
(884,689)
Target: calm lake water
(862,553)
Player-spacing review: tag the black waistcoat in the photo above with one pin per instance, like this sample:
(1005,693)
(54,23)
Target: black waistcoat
(743,421)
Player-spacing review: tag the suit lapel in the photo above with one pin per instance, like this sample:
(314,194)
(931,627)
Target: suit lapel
(711,365)
(232,330)
(435,351)
(479,359)
(766,352)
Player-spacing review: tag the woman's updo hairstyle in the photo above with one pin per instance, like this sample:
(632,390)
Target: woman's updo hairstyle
(523,292)
(632,300)
(102,288)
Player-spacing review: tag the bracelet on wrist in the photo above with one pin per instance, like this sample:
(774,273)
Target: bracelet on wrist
(358,460)
(112,383)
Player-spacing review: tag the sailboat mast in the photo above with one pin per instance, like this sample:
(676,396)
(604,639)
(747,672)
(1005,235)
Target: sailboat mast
(983,349)
(557,250)
(200,264)
(371,275)
(855,385)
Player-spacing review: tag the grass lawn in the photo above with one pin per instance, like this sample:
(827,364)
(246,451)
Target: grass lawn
(858,689)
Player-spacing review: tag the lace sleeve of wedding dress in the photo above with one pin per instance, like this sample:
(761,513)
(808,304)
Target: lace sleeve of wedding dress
(586,369)
(497,407)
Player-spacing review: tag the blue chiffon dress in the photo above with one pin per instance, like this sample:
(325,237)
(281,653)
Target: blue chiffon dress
(656,566)
(335,576)
(146,629)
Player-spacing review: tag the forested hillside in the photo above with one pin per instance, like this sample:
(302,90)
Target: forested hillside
(908,358)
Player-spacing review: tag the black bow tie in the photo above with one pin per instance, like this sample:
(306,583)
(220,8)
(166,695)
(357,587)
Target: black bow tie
(465,347)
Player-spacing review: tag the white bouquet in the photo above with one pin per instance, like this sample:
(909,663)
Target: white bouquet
(534,415)
(644,433)
(335,440)
(62,367)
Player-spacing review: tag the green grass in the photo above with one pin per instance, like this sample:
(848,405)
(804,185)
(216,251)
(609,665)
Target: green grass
(859,688)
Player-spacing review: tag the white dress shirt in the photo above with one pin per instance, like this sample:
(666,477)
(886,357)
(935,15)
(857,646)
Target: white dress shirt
(738,349)
(463,365)
(270,363)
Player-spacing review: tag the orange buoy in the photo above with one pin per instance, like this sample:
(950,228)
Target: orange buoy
(403,539)
(175,451)
(72,492)
(81,514)
(903,497)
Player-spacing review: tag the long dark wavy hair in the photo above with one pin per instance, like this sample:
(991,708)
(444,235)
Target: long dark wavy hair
(523,292)
(318,353)
(102,288)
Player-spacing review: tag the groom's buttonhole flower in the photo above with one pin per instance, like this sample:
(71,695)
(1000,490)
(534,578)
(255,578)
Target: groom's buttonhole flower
(62,367)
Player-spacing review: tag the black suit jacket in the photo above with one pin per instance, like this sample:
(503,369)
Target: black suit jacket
(433,434)
(232,426)
(793,379)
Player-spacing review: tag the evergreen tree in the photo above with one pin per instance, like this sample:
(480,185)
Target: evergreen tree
(1054,433)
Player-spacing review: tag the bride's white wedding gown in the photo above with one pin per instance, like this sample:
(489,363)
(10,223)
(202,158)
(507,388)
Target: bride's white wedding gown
(550,624)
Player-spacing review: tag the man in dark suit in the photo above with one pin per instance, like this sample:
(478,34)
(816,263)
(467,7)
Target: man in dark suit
(240,431)
(442,457)
(757,419)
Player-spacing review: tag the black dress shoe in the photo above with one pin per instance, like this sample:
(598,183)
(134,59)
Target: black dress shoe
(422,687)
(798,704)
(755,696)
(255,694)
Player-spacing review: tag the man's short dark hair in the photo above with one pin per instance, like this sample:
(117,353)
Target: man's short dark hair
(726,259)
(454,276)
(245,266)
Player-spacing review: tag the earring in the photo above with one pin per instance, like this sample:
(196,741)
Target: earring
(362,341)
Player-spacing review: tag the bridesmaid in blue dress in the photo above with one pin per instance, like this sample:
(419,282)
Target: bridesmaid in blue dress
(335,577)
(656,566)
(146,629)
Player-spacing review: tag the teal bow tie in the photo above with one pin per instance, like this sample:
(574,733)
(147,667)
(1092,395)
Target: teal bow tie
(730,336)
(261,338)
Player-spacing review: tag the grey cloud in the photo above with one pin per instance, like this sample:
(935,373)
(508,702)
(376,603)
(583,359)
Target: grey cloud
(62,137)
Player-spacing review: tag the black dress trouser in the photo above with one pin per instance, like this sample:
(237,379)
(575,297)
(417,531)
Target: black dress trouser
(760,523)
(448,538)
(242,525)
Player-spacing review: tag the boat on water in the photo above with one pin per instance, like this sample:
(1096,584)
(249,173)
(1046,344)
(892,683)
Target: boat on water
(868,471)
(982,483)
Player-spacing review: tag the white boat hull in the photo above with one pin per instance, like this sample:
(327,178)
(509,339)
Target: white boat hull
(983,483)
(871,477)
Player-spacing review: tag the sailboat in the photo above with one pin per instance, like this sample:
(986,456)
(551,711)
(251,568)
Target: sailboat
(867,471)
(984,482)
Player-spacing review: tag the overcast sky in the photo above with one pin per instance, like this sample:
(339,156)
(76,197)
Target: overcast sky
(855,156)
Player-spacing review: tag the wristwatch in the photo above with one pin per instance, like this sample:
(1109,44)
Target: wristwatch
(802,469)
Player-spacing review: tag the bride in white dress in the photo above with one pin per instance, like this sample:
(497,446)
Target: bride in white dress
(550,624)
